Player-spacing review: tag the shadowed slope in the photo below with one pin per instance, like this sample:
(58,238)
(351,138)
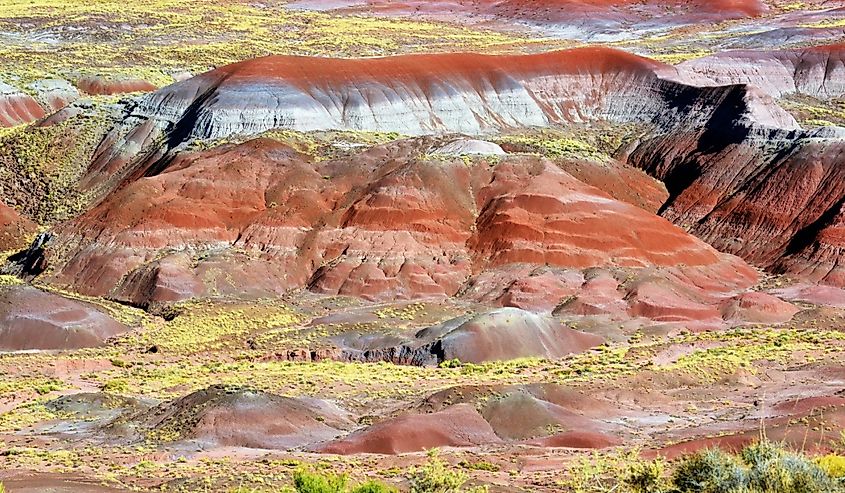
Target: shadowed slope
(778,204)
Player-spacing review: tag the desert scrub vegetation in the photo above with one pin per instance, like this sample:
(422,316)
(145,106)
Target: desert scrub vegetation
(810,111)
(435,476)
(554,147)
(204,325)
(321,145)
(596,142)
(114,39)
(741,348)
(364,381)
(763,467)
(305,481)
(40,166)
(309,481)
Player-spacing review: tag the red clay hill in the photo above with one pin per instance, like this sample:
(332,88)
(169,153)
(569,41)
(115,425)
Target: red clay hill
(420,94)
(394,222)
(400,221)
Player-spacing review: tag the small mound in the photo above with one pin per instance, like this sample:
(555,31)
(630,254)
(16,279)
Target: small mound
(456,426)
(97,85)
(578,439)
(663,301)
(814,294)
(242,417)
(33,319)
(95,405)
(754,307)
(531,412)
(469,147)
(505,334)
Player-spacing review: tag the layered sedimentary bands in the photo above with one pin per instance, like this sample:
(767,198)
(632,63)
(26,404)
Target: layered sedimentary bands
(817,71)
(17,107)
(97,85)
(778,205)
(396,222)
(420,94)
(323,225)
(413,219)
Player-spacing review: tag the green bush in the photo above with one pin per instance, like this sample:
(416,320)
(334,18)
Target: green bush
(833,465)
(373,487)
(479,466)
(773,470)
(710,471)
(436,477)
(116,386)
(312,482)
(760,468)
(646,477)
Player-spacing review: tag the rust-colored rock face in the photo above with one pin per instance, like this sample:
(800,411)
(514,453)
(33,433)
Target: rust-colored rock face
(15,230)
(259,218)
(778,204)
(538,214)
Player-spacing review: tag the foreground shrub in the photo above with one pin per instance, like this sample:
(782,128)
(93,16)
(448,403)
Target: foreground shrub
(763,467)
(373,487)
(760,468)
(772,469)
(710,471)
(833,465)
(312,482)
(647,477)
(436,477)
